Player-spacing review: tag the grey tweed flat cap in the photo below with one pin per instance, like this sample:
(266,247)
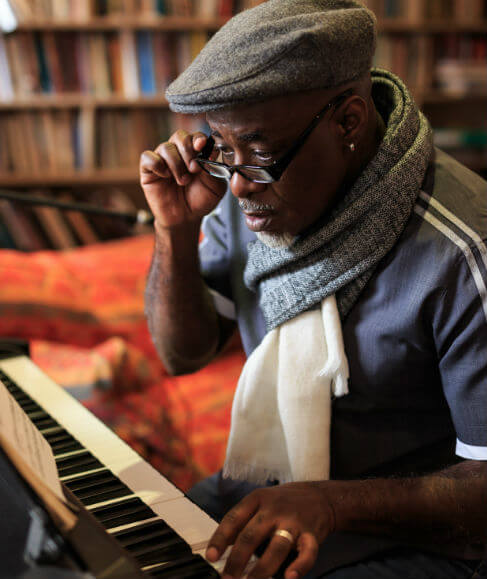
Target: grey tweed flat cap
(278,47)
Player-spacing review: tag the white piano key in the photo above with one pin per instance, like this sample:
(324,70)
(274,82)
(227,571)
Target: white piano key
(189,521)
(168,502)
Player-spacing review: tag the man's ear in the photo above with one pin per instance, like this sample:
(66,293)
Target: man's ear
(352,120)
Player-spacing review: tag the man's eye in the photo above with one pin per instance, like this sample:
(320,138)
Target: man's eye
(226,155)
(264,156)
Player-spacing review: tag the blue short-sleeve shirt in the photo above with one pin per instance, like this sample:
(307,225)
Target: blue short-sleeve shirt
(416,339)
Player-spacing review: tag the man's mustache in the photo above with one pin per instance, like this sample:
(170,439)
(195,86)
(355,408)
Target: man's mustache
(249,206)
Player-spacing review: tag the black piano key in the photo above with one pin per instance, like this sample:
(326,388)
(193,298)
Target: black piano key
(29,406)
(98,487)
(77,464)
(123,512)
(191,567)
(44,422)
(143,532)
(154,542)
(61,442)
(150,553)
(20,397)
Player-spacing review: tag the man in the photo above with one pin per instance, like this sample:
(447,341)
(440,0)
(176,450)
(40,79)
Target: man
(349,251)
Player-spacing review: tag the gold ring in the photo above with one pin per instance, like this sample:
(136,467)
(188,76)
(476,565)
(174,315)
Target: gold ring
(285,534)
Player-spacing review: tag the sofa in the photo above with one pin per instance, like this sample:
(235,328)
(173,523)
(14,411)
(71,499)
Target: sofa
(81,312)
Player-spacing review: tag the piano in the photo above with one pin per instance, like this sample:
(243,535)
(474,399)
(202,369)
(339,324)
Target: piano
(133,523)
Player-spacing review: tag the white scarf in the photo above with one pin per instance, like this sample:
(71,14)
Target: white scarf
(281,412)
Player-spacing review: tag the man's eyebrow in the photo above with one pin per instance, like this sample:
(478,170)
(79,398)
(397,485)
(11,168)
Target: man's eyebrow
(246,137)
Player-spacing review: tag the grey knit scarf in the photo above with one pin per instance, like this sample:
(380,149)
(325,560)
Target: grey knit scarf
(341,254)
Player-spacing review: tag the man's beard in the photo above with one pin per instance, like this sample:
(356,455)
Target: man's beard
(272,240)
(275,240)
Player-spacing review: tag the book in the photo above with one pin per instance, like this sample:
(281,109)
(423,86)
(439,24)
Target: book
(55,227)
(129,64)
(80,223)
(165,69)
(115,60)
(21,227)
(53,62)
(99,68)
(7,91)
(145,62)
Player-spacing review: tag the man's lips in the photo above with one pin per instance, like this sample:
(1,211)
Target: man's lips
(258,220)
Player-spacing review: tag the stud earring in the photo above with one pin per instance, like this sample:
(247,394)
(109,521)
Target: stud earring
(352,147)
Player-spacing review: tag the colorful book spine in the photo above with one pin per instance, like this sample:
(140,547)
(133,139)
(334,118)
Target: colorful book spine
(145,59)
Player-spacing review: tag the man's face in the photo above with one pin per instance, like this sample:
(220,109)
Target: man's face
(259,134)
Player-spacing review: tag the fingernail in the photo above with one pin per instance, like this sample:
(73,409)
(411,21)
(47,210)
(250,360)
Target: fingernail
(212,554)
(292,575)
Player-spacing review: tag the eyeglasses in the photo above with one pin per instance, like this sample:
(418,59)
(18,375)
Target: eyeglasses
(267,173)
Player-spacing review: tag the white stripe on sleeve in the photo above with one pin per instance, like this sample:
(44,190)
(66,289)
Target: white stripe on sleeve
(471,451)
(223,305)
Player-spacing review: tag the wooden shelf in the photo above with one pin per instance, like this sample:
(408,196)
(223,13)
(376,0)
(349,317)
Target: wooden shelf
(451,26)
(77,100)
(400,25)
(169,23)
(181,24)
(123,176)
(433,97)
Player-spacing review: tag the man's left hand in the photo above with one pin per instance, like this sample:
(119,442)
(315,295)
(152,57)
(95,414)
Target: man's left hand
(301,509)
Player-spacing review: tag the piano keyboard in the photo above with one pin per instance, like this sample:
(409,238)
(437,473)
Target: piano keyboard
(163,530)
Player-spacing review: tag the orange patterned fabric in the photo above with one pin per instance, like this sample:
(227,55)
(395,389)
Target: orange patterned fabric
(82,312)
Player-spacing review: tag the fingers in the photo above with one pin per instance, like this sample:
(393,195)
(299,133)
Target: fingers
(276,553)
(231,525)
(253,524)
(189,145)
(152,167)
(307,546)
(173,159)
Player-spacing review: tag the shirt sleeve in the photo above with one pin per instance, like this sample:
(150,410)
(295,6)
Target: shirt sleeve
(214,259)
(460,328)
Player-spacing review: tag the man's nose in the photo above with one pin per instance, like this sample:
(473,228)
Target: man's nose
(242,187)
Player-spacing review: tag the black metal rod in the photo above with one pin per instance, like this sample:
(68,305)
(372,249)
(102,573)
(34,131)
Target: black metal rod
(141,216)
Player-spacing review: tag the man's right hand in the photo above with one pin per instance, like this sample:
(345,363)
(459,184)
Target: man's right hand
(177,190)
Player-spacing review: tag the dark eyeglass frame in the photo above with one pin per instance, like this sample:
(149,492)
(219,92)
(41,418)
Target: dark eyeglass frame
(269,173)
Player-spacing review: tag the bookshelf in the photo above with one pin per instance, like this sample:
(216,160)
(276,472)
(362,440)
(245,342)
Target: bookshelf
(82,83)
(439,48)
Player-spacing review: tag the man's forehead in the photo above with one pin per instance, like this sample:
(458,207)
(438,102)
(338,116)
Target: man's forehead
(261,121)
(245,135)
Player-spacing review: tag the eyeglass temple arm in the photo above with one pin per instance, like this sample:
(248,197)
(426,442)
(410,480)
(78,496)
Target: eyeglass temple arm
(304,135)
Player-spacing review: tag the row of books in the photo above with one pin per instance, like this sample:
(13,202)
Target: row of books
(126,63)
(33,228)
(449,62)
(418,10)
(58,141)
(132,64)
(123,134)
(82,10)
(461,64)
(401,55)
